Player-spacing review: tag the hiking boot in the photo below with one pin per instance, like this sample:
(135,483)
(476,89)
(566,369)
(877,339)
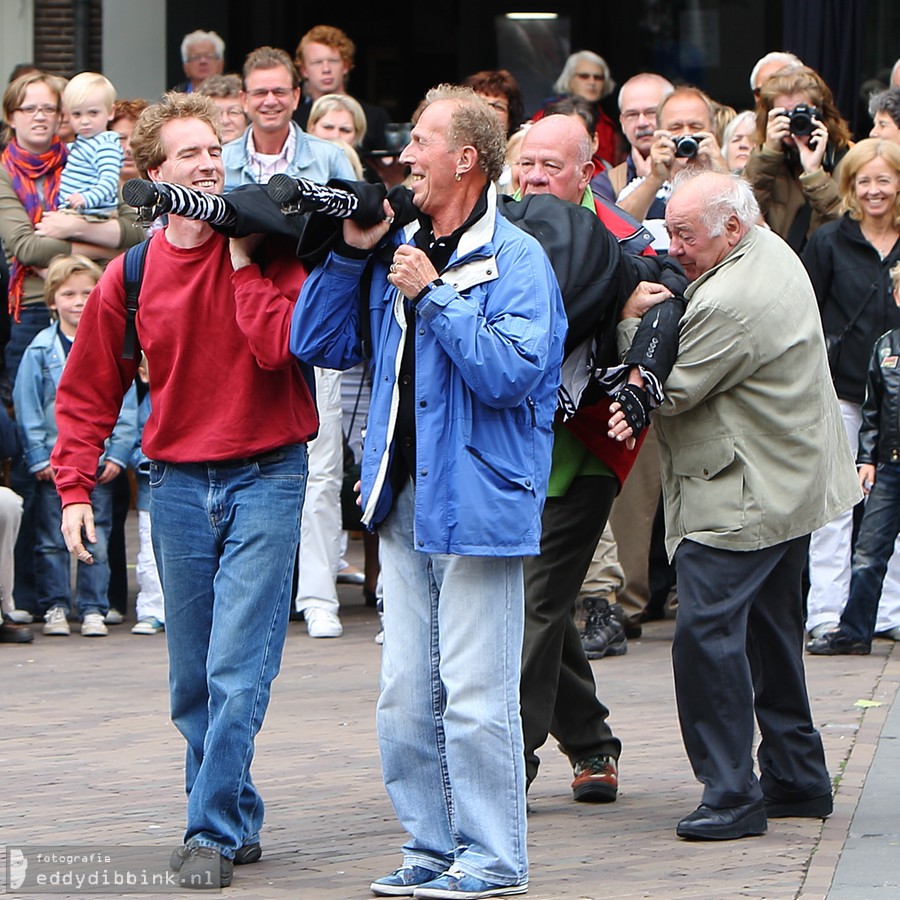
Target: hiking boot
(596,779)
(603,635)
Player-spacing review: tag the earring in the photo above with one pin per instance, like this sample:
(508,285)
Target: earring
(458,177)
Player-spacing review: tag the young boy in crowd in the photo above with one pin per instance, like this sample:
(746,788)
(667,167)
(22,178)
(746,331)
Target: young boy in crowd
(90,179)
(69,282)
(879,476)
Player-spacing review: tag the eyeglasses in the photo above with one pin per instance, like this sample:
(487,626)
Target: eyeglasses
(590,76)
(632,115)
(280,93)
(32,110)
(232,112)
(203,57)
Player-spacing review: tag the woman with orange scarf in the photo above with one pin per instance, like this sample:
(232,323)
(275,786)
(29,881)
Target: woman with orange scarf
(31,231)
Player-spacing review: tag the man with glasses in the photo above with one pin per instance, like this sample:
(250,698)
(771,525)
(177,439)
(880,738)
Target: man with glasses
(273,144)
(202,54)
(639,98)
(324,57)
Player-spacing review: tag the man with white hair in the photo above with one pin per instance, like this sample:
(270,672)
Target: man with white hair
(768,65)
(754,457)
(202,55)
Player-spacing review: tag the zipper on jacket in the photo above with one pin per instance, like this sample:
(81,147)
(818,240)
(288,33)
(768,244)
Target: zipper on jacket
(531,406)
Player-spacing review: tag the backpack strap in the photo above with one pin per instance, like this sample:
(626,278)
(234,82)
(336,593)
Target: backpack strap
(134,275)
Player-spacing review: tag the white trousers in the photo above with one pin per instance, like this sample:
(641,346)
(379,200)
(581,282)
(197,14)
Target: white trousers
(10,520)
(149,601)
(320,525)
(830,555)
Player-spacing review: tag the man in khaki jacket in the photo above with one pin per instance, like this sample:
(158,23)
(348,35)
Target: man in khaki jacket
(754,457)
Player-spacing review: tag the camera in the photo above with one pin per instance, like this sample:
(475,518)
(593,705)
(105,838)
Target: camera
(686,146)
(801,119)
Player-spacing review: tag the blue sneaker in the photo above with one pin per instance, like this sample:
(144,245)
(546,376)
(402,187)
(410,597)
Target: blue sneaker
(403,882)
(456,885)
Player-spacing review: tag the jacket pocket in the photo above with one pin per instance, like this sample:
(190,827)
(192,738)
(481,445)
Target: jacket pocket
(711,481)
(502,469)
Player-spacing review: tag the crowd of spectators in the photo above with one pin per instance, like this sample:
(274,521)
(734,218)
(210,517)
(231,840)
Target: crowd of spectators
(622,156)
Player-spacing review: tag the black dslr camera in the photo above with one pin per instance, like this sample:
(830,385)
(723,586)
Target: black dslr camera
(686,146)
(801,119)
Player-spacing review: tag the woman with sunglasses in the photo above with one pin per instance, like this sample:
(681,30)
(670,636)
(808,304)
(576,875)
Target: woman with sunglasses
(587,75)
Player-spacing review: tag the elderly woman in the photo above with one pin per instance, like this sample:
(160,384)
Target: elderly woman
(884,108)
(587,75)
(466,326)
(738,140)
(32,233)
(225,92)
(848,261)
(794,173)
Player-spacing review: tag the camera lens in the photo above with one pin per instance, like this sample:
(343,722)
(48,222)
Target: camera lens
(686,146)
(801,120)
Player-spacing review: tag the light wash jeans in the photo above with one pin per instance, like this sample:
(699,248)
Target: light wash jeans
(225,539)
(449,728)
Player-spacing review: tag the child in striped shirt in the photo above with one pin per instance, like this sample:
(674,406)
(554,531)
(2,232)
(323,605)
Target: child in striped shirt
(90,179)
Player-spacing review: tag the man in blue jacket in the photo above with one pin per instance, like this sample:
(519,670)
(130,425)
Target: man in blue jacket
(467,330)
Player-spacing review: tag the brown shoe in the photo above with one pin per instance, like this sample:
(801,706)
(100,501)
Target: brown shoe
(11,633)
(596,779)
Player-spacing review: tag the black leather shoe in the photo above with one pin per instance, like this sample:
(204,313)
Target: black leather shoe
(810,808)
(836,643)
(706,823)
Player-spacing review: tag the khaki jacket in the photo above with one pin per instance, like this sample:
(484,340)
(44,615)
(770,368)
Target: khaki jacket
(753,451)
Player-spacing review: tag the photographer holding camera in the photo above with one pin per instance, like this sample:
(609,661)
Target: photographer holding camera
(795,172)
(686,138)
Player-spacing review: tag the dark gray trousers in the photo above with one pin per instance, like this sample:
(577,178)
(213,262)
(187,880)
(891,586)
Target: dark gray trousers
(738,650)
(558,693)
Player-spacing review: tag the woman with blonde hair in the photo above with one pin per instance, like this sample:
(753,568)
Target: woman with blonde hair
(849,261)
(340,118)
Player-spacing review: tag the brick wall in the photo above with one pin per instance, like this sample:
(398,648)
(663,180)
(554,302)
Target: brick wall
(54,36)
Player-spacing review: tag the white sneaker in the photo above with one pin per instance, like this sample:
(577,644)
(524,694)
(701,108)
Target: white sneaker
(322,623)
(822,629)
(94,626)
(114,617)
(20,617)
(56,623)
(379,636)
(148,625)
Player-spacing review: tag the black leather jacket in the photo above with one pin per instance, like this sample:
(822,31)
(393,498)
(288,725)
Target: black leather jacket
(879,434)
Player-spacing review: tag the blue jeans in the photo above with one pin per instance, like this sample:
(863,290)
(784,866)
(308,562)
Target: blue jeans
(449,728)
(874,546)
(52,560)
(225,539)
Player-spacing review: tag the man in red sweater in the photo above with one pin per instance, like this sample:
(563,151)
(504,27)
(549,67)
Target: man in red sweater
(231,415)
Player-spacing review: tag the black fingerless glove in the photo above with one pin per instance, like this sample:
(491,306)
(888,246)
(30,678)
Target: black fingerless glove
(635,403)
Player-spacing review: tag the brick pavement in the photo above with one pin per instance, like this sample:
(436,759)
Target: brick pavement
(88,755)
